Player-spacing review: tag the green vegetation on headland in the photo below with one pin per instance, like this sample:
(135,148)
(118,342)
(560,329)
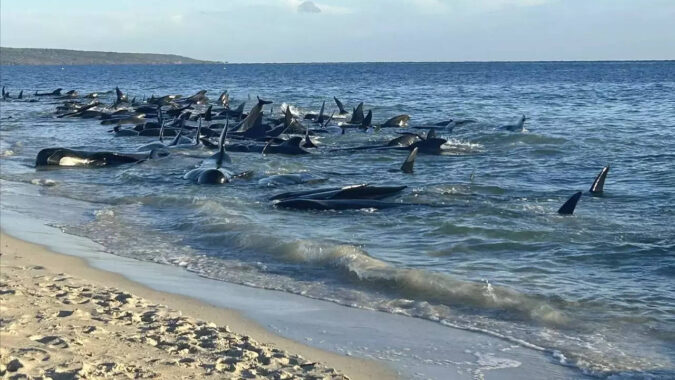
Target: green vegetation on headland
(22,56)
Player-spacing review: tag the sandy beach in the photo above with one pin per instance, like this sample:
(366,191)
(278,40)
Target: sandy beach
(62,318)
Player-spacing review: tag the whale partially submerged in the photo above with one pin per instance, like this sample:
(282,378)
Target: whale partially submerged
(362,191)
(70,157)
(336,204)
(518,127)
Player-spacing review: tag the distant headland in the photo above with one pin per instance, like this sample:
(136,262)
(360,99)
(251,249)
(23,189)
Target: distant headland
(25,56)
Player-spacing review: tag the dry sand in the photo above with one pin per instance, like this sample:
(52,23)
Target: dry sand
(60,318)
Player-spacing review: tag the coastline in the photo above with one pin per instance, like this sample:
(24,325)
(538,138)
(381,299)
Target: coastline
(21,259)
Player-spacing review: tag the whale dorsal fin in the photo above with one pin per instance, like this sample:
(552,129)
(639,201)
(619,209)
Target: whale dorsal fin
(340,106)
(357,115)
(320,118)
(409,162)
(328,121)
(161,123)
(264,149)
(119,94)
(240,109)
(308,142)
(367,121)
(431,134)
(521,122)
(288,116)
(568,207)
(222,155)
(208,116)
(598,185)
(199,131)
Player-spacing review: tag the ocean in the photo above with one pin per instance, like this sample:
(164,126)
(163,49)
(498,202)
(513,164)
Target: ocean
(481,249)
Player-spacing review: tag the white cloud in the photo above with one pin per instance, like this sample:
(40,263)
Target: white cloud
(177,18)
(308,7)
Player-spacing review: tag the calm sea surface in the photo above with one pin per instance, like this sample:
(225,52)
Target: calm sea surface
(485,249)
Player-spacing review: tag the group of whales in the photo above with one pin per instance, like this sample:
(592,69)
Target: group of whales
(252,132)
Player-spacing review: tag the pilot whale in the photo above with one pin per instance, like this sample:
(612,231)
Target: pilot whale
(336,204)
(71,157)
(518,127)
(56,92)
(212,171)
(362,191)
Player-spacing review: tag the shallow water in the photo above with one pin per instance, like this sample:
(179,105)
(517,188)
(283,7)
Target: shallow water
(485,250)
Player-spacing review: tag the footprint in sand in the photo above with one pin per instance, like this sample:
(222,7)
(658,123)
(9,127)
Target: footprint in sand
(33,354)
(50,340)
(63,313)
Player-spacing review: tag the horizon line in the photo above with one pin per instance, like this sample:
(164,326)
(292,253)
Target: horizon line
(465,61)
(217,62)
(366,61)
(213,63)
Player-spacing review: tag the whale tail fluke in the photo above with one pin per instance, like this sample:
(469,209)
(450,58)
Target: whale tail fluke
(308,142)
(568,207)
(409,162)
(598,185)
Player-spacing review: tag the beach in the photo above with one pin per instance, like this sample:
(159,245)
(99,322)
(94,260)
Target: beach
(61,317)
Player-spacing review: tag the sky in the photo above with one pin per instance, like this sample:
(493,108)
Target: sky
(349,30)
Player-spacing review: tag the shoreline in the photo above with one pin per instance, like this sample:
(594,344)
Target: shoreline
(399,345)
(17,253)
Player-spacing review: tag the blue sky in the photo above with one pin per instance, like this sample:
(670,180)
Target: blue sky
(349,30)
